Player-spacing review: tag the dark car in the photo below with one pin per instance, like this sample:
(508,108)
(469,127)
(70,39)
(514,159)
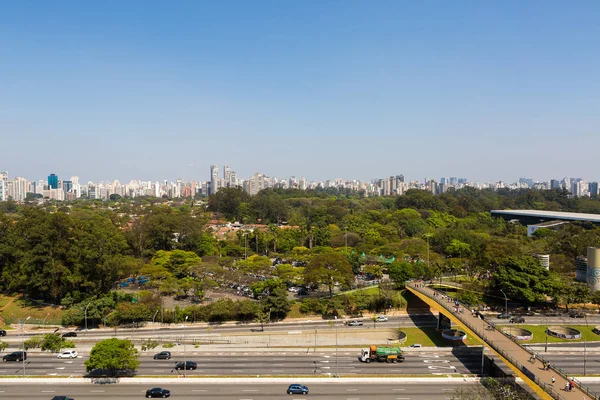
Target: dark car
(296,388)
(186,365)
(158,392)
(15,356)
(70,334)
(2,332)
(62,398)
(163,355)
(516,320)
(504,316)
(577,315)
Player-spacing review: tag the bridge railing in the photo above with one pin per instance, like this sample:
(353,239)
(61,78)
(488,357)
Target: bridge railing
(548,388)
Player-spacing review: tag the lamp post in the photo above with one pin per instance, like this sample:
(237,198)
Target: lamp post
(85,312)
(336,352)
(154,316)
(584,355)
(482,348)
(546,347)
(23,337)
(184,355)
(45,320)
(505,302)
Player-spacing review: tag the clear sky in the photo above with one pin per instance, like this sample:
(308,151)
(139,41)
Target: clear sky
(142,89)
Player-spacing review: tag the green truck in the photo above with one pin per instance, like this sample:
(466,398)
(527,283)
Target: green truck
(381,353)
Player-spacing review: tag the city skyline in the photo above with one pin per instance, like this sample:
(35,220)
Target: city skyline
(347,89)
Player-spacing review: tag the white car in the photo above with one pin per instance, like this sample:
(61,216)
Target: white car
(67,354)
(381,318)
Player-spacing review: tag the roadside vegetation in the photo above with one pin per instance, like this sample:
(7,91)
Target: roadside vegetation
(132,261)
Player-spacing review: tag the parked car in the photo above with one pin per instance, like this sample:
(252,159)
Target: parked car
(158,392)
(415,346)
(381,318)
(2,332)
(163,355)
(188,365)
(577,314)
(504,316)
(296,388)
(67,354)
(70,334)
(15,356)
(516,320)
(62,398)
(303,292)
(355,323)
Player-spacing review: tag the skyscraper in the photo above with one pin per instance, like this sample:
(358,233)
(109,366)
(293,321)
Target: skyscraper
(53,181)
(593,189)
(214,179)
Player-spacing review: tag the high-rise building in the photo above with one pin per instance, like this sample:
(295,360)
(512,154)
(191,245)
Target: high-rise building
(554,184)
(214,179)
(593,189)
(227,175)
(2,191)
(53,181)
(67,186)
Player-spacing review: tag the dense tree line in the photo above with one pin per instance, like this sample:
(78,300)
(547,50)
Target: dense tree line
(65,253)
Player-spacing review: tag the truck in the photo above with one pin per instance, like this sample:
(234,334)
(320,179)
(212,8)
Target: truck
(381,353)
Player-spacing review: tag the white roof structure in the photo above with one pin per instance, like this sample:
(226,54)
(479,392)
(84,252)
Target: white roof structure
(548,215)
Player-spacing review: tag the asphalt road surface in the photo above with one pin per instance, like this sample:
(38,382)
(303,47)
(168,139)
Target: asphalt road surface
(267,364)
(249,391)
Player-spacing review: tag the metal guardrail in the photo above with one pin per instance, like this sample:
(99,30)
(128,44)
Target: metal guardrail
(548,388)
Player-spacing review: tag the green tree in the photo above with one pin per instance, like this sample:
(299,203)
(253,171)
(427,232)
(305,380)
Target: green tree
(3,346)
(523,278)
(400,272)
(328,269)
(55,343)
(113,355)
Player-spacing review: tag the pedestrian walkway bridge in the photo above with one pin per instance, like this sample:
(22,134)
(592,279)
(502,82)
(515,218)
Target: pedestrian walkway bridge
(513,354)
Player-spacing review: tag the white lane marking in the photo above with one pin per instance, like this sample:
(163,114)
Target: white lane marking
(250,390)
(351,390)
(198,390)
(398,390)
(97,391)
(48,391)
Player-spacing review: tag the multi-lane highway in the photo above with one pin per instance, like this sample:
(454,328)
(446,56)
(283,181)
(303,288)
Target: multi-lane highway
(415,320)
(242,391)
(267,364)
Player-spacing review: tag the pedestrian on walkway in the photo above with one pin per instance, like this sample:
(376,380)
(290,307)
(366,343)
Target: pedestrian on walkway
(567,386)
(553,380)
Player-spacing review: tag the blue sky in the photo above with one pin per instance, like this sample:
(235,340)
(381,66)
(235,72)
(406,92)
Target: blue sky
(322,89)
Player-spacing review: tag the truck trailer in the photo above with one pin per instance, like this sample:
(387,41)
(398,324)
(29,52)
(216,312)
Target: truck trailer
(381,353)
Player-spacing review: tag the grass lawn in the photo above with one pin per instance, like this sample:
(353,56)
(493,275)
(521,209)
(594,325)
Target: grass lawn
(432,337)
(20,309)
(539,334)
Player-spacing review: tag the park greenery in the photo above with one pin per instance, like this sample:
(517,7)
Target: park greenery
(78,255)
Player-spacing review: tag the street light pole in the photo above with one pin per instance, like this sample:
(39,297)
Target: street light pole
(505,302)
(85,312)
(336,352)
(154,316)
(584,355)
(184,355)
(45,320)
(23,337)
(482,348)
(546,347)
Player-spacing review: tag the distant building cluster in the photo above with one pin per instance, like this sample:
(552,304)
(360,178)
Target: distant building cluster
(53,187)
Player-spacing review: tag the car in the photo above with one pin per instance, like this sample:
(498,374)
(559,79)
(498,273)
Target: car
(415,346)
(2,332)
(296,388)
(62,398)
(355,323)
(303,292)
(504,316)
(163,355)
(15,356)
(188,365)
(577,315)
(70,334)
(67,354)
(381,318)
(158,392)
(516,320)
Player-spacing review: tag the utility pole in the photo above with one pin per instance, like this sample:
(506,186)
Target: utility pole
(546,347)
(584,355)
(86,308)
(184,354)
(337,375)
(23,337)
(482,348)
(505,302)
